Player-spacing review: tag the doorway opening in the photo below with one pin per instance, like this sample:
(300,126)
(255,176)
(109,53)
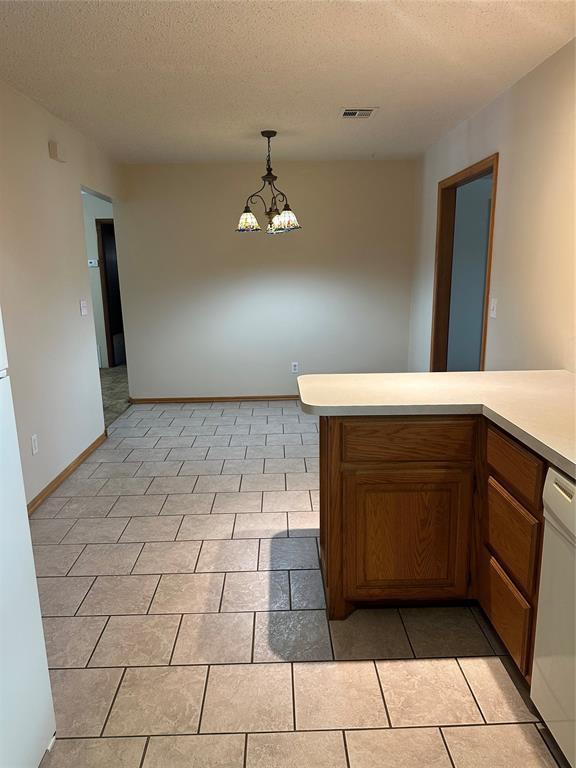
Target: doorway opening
(106,302)
(466,205)
(110,286)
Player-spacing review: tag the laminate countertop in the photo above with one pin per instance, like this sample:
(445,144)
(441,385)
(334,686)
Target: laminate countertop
(536,407)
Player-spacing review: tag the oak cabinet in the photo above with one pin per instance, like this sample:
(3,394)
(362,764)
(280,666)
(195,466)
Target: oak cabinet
(424,509)
(395,508)
(407,533)
(510,545)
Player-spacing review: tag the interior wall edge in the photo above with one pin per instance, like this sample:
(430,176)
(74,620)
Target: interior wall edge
(51,347)
(533,242)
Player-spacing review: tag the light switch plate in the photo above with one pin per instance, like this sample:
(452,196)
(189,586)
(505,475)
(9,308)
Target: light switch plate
(493,306)
(83,307)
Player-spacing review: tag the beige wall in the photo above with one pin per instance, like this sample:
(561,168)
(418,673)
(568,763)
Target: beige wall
(532,127)
(208,311)
(51,348)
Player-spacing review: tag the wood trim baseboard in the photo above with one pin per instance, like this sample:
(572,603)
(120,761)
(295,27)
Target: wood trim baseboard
(66,472)
(234,399)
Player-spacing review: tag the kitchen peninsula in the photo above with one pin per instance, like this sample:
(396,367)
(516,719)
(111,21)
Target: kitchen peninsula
(431,488)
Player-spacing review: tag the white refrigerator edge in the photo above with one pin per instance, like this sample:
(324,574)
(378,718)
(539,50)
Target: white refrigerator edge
(27,722)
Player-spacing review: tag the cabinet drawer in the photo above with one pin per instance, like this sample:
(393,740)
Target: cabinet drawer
(512,533)
(508,611)
(408,439)
(517,468)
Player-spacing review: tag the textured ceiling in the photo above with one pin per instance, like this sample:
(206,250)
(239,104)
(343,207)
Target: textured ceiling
(178,81)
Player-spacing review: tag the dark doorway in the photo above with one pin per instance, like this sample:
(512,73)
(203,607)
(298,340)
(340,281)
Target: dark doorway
(111,301)
(466,204)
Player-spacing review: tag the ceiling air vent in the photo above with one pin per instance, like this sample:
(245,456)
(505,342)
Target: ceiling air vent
(357,114)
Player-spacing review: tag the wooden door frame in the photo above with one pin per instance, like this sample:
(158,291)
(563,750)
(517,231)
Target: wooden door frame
(104,289)
(446,217)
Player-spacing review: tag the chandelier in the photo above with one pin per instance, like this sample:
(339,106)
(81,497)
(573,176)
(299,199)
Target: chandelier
(277,222)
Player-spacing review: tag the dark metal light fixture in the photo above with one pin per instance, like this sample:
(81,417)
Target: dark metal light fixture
(277,222)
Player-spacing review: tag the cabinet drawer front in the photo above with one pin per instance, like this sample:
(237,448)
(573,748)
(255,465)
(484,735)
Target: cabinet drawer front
(413,439)
(512,533)
(508,611)
(519,470)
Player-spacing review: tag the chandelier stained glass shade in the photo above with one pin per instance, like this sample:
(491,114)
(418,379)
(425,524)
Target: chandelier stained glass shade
(278,221)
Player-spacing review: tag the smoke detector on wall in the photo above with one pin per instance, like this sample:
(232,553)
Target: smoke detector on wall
(357,113)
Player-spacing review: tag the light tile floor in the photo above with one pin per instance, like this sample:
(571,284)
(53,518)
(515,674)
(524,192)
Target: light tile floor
(185,623)
(114,383)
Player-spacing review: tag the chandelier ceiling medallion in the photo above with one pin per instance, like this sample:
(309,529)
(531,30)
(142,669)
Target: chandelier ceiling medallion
(277,222)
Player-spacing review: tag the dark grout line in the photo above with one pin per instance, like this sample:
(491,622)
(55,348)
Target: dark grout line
(233,529)
(222,597)
(204,693)
(87,665)
(406,633)
(151,599)
(300,730)
(253,637)
(293,696)
(328,622)
(203,613)
(245,750)
(113,702)
(179,528)
(143,758)
(446,747)
(470,689)
(190,573)
(75,559)
(175,639)
(85,596)
(135,562)
(347,756)
(380,686)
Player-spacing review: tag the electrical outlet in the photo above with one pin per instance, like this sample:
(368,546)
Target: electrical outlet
(493,306)
(294,367)
(34,445)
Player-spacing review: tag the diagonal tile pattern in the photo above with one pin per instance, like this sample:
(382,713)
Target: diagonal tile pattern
(178,571)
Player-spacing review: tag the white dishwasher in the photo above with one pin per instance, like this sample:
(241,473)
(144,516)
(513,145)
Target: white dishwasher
(553,688)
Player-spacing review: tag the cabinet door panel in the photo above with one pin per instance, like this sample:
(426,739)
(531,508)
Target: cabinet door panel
(407,533)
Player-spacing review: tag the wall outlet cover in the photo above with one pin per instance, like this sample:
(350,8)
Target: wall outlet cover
(294,367)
